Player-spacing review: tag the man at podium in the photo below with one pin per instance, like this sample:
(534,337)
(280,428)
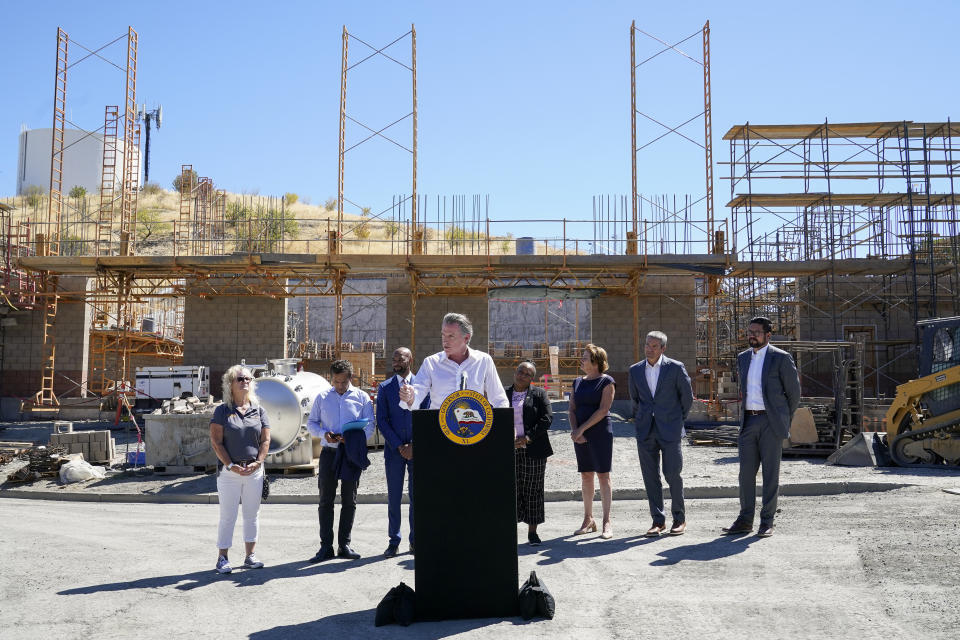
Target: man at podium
(455,368)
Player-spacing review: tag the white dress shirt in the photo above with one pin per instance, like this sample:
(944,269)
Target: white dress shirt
(440,376)
(653,374)
(331,411)
(401,381)
(754,399)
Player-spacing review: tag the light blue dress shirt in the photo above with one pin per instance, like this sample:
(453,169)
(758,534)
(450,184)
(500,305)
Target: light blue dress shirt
(331,411)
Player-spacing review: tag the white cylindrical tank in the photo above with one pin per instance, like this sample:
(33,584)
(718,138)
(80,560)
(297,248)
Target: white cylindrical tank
(82,160)
(287,400)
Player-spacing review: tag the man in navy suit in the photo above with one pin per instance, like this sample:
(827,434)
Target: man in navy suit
(662,396)
(770,394)
(395,425)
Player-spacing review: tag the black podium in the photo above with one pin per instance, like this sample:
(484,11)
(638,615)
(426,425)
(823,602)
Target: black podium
(465,519)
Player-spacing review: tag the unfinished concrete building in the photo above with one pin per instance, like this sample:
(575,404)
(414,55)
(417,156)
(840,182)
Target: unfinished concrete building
(825,261)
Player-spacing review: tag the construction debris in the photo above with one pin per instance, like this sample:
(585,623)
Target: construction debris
(41,462)
(190,404)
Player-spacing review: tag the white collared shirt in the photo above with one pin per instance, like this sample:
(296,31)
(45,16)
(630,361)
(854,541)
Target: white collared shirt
(408,380)
(440,376)
(754,396)
(652,372)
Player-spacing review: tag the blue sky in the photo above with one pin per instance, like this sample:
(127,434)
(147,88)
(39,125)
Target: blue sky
(528,102)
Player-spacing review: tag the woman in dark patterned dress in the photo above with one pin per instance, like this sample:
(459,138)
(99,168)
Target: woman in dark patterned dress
(592,435)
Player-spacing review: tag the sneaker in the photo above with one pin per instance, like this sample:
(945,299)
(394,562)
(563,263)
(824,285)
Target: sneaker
(251,562)
(223,565)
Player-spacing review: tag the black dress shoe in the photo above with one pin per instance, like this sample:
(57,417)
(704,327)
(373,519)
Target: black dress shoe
(739,526)
(533,539)
(391,551)
(347,552)
(325,553)
(765,531)
(411,549)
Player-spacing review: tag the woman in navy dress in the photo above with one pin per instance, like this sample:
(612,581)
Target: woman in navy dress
(592,435)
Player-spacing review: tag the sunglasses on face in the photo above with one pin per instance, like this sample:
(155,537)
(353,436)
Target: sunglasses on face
(243,379)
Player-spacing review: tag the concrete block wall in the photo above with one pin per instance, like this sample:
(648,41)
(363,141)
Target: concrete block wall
(430,312)
(859,303)
(96,446)
(219,332)
(22,336)
(666,303)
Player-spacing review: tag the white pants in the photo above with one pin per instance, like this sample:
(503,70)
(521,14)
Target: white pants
(234,489)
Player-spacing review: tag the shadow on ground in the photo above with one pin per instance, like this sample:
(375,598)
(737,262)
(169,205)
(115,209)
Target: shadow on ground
(359,624)
(240,577)
(556,550)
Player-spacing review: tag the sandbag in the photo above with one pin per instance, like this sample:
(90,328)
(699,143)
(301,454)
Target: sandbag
(536,599)
(398,606)
(79,470)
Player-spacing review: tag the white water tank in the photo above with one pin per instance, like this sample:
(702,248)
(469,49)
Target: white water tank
(82,160)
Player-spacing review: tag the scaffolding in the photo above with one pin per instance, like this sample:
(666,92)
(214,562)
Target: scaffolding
(711,239)
(828,260)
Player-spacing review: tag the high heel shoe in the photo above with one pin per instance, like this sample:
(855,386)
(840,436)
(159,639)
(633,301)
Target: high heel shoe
(589,528)
(607,531)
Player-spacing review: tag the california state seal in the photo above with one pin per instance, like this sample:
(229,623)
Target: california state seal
(466,417)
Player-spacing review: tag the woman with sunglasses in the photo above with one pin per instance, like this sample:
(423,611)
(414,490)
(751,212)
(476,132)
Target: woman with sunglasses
(240,434)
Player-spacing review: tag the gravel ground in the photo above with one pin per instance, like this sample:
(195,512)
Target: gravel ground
(879,565)
(705,468)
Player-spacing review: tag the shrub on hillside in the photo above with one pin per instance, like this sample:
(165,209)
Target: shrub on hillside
(149,223)
(178,181)
(33,194)
(391,228)
(361,230)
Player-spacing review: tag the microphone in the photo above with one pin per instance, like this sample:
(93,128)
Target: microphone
(463,381)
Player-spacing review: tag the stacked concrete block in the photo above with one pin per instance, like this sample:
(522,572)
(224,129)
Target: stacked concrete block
(221,331)
(61,426)
(729,390)
(96,446)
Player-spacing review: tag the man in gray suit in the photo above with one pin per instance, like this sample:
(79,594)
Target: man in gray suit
(769,393)
(661,394)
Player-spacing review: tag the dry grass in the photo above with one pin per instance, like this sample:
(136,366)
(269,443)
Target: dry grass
(313,223)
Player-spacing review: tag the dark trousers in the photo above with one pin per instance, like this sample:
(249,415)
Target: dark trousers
(327,483)
(650,450)
(759,445)
(396,467)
